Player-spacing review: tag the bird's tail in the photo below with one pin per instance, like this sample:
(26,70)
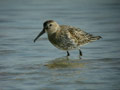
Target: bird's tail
(95,38)
(98,37)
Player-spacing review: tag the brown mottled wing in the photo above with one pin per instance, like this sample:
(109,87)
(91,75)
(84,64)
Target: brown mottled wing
(81,37)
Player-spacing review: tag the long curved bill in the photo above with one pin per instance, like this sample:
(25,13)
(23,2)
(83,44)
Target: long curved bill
(41,33)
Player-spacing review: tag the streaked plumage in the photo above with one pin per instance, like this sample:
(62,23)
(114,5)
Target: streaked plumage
(66,37)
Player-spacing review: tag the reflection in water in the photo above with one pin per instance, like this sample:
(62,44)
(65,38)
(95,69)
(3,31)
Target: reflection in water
(65,62)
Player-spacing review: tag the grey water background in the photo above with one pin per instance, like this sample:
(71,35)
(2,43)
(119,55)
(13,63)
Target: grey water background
(25,65)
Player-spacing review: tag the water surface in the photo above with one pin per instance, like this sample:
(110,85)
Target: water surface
(25,65)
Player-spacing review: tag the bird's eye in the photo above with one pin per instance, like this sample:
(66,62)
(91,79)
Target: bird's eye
(50,25)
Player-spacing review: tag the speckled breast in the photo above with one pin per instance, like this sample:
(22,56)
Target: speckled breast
(62,42)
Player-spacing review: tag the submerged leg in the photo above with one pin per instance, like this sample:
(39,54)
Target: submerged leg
(80,52)
(68,54)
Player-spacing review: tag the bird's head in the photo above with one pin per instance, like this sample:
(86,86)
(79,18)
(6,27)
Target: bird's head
(49,27)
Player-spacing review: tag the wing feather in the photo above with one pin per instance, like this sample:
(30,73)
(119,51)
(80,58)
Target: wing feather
(79,36)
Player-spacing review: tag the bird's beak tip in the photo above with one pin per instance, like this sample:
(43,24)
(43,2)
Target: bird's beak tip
(42,32)
(34,40)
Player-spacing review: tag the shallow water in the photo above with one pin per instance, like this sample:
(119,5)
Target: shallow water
(25,65)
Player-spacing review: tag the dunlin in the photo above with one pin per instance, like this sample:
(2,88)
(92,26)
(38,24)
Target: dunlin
(66,37)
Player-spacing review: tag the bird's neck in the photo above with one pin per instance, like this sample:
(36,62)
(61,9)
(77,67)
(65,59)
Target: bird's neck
(53,31)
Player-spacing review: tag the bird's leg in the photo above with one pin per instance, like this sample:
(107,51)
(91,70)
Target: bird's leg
(68,54)
(80,52)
